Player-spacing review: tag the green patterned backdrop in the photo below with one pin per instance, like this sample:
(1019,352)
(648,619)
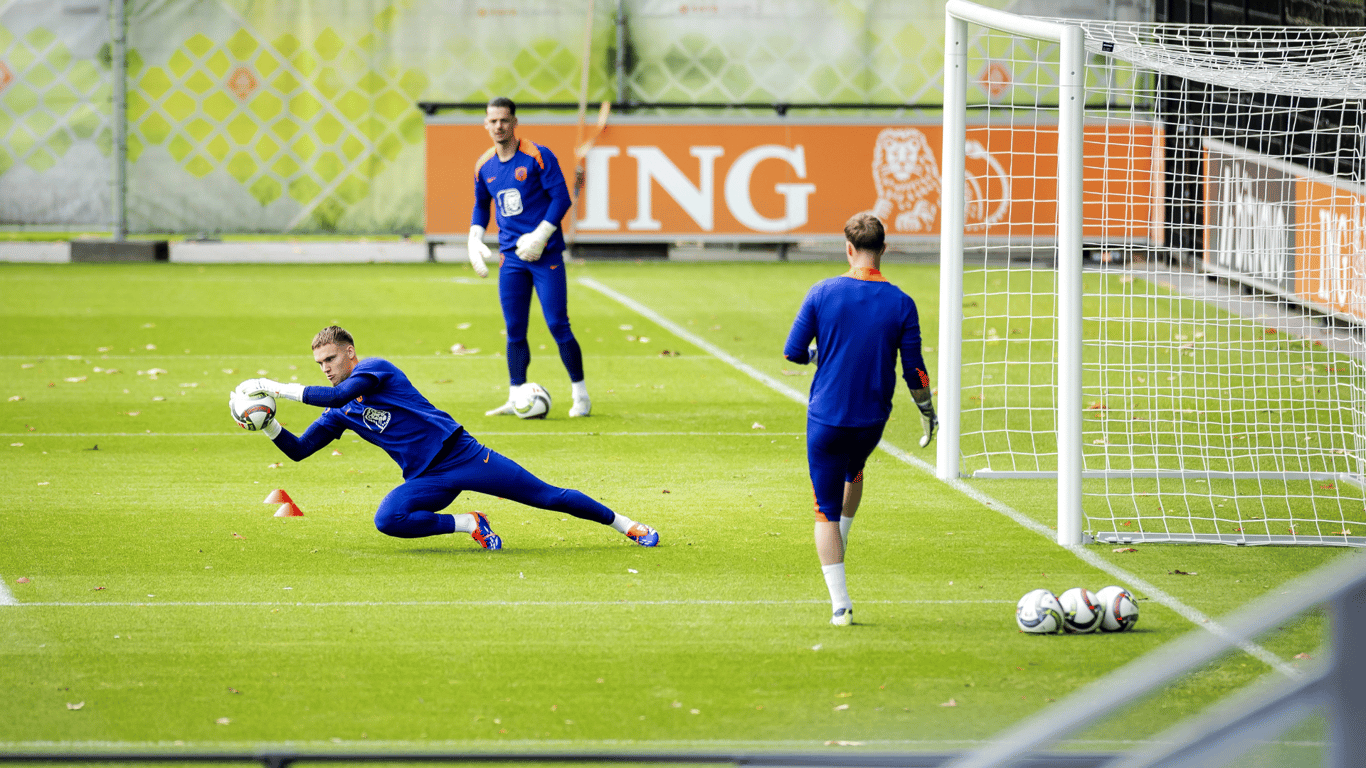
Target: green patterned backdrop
(298,116)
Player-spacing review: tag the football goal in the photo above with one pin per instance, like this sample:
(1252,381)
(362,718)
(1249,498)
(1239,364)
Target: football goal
(1154,274)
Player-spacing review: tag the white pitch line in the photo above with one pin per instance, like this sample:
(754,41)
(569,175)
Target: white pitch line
(1155,594)
(476,603)
(5,597)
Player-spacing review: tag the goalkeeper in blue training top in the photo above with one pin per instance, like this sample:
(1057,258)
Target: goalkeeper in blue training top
(523,182)
(859,322)
(439,459)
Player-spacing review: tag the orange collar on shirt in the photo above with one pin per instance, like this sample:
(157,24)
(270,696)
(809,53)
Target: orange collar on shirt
(865,273)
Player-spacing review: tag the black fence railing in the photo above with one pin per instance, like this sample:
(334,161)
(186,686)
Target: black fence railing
(779,107)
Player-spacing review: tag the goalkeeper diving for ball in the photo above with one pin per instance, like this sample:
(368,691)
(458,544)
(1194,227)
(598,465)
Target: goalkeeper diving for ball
(859,321)
(439,459)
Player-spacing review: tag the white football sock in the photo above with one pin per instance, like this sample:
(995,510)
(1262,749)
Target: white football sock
(465,523)
(834,581)
(580,389)
(845,524)
(621,523)
(512,391)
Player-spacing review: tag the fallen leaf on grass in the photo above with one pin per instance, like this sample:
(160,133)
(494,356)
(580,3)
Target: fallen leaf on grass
(133,413)
(233,690)
(223,721)
(843,695)
(75,379)
(336,452)
(229,370)
(786,372)
(1303,656)
(841,707)
(1124,549)
(276,465)
(16,398)
(816,647)
(949,703)
(1270,331)
(444,381)
(628,570)
(666,490)
(238,536)
(1179,572)
(77,705)
(22,580)
(669,353)
(1343,532)
(462,326)
(16,445)
(1327,487)
(757,425)
(97,589)
(1097,406)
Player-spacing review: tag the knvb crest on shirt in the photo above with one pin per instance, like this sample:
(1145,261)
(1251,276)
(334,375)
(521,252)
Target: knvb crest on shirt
(376,419)
(509,201)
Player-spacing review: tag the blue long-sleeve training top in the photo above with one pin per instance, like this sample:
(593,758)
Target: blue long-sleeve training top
(526,190)
(379,404)
(859,321)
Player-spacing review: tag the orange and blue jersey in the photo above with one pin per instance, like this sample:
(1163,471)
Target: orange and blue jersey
(525,190)
(859,322)
(379,404)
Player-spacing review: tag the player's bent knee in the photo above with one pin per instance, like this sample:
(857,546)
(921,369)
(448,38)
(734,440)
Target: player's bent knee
(392,523)
(561,333)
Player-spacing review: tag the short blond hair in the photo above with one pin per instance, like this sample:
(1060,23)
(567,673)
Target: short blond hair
(864,231)
(333,334)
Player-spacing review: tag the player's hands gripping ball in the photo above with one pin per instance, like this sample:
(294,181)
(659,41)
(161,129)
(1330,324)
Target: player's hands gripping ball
(928,419)
(530,245)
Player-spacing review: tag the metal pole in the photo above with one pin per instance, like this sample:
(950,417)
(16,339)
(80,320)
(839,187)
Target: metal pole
(1346,694)
(949,365)
(621,51)
(119,117)
(1071,100)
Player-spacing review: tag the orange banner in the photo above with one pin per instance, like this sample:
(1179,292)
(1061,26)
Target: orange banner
(647,180)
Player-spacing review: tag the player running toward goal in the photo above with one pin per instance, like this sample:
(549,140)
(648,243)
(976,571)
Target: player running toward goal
(859,322)
(524,183)
(374,399)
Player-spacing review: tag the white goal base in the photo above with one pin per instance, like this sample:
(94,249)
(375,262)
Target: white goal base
(1232,539)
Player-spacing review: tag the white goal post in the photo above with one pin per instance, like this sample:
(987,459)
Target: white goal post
(1108,172)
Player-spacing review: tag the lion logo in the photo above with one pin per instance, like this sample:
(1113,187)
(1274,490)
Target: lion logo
(906,176)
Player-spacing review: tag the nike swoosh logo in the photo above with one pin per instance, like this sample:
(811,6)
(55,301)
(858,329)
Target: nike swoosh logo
(490,179)
(555,267)
(487,455)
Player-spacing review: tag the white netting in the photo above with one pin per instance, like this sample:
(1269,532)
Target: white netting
(1208,414)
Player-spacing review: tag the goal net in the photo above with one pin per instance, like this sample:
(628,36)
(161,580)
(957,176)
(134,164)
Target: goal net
(1154,274)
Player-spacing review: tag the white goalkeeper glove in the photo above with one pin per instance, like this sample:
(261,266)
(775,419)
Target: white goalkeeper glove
(478,251)
(530,245)
(811,355)
(928,419)
(293,392)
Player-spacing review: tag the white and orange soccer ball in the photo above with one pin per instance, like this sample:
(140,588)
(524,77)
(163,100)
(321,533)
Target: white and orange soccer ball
(251,412)
(1119,610)
(531,401)
(1081,612)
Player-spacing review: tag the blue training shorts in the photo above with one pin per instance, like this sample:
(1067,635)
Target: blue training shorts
(835,456)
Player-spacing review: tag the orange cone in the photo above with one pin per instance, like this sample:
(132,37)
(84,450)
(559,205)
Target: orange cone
(277,497)
(289,509)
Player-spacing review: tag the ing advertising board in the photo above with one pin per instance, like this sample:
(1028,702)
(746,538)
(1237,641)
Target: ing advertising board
(1301,231)
(650,180)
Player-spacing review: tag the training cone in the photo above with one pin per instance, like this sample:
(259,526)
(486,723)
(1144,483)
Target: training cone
(289,509)
(277,496)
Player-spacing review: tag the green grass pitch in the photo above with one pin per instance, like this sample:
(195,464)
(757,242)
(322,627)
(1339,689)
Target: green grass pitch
(154,588)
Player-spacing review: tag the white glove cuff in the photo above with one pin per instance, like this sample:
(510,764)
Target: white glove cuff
(272,429)
(293,392)
(476,233)
(544,230)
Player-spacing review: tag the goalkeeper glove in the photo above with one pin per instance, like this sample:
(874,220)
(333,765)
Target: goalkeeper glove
(928,419)
(293,392)
(478,251)
(811,355)
(530,245)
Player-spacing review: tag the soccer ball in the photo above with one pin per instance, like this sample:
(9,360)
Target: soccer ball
(252,412)
(531,401)
(1039,613)
(1119,610)
(1080,611)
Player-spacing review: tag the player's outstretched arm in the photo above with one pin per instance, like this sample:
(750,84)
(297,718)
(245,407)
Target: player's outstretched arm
(318,434)
(278,389)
